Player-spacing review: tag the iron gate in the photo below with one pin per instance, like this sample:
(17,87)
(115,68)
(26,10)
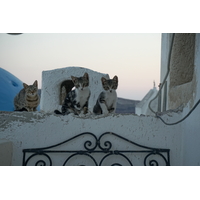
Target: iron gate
(108,149)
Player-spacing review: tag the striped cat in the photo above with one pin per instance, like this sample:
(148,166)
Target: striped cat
(27,99)
(107,100)
(76,101)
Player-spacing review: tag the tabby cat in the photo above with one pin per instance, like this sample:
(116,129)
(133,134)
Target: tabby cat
(106,102)
(76,100)
(27,99)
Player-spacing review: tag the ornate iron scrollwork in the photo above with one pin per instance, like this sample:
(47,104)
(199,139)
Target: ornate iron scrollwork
(109,149)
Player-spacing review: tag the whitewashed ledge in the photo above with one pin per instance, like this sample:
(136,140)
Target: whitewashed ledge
(35,130)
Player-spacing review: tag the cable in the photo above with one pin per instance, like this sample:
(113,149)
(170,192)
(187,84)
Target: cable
(168,69)
(182,118)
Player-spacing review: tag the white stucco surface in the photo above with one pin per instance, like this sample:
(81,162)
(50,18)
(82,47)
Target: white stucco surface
(51,82)
(34,130)
(190,137)
(191,126)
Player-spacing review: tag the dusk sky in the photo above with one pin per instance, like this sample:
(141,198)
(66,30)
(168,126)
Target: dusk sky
(133,57)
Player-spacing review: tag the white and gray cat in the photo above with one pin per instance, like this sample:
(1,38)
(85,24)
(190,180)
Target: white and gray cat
(76,101)
(107,100)
(27,99)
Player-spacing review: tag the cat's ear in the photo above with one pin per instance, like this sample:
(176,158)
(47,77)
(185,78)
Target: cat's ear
(86,75)
(25,85)
(73,79)
(115,78)
(103,80)
(35,83)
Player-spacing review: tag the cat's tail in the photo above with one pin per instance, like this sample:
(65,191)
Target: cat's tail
(58,112)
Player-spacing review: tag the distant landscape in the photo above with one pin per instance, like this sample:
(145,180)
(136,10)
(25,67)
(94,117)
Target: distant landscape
(126,105)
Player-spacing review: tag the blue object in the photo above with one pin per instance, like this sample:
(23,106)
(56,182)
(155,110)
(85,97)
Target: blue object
(10,85)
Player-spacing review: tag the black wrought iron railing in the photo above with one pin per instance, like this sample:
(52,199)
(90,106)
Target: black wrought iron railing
(108,149)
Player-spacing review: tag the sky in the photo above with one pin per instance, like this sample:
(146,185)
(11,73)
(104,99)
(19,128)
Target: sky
(133,57)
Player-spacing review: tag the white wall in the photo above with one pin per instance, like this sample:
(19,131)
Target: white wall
(191,126)
(34,130)
(189,132)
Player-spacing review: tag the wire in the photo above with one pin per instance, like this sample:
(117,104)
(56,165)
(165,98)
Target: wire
(168,70)
(182,118)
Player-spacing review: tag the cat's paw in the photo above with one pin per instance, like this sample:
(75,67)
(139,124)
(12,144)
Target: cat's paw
(85,110)
(77,106)
(72,114)
(81,115)
(88,113)
(111,110)
(105,112)
(59,113)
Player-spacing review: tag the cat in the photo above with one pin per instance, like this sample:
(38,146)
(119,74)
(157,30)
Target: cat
(27,99)
(76,101)
(107,100)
